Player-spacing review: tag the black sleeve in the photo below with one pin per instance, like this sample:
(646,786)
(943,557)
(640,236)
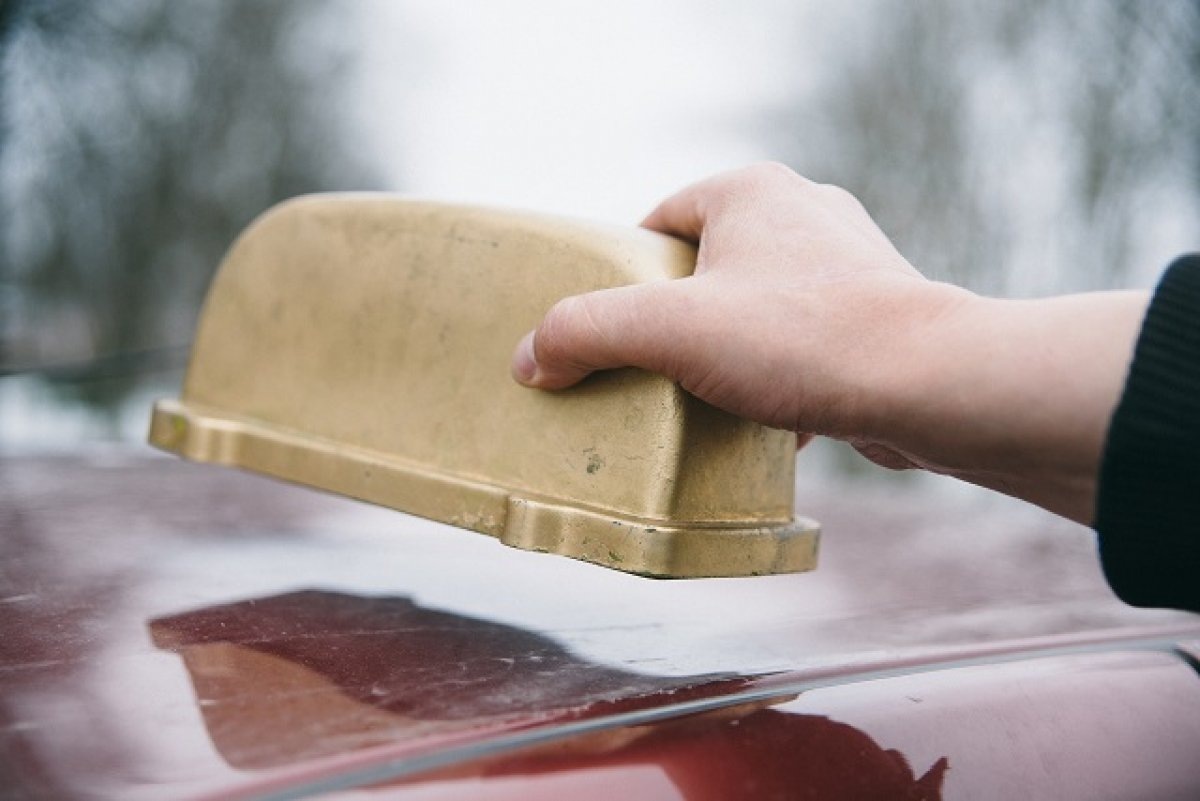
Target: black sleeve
(1148,504)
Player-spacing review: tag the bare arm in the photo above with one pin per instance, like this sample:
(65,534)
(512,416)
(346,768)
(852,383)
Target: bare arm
(802,315)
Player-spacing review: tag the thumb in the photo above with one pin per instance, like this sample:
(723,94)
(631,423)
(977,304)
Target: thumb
(622,327)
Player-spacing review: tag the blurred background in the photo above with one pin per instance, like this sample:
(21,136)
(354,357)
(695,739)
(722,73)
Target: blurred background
(1020,148)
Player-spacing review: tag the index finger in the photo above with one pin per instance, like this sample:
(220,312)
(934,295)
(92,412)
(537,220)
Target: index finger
(685,214)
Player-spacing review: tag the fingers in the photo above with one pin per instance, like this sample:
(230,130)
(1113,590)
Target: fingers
(682,215)
(686,213)
(647,326)
(621,327)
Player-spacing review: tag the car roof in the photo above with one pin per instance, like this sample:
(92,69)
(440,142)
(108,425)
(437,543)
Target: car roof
(234,636)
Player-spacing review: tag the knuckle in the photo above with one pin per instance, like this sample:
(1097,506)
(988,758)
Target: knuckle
(573,334)
(555,335)
(765,174)
(840,195)
(752,184)
(774,170)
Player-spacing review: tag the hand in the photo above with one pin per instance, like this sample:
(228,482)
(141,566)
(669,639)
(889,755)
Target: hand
(795,296)
(802,315)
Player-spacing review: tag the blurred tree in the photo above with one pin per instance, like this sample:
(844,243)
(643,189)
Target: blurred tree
(139,136)
(1024,147)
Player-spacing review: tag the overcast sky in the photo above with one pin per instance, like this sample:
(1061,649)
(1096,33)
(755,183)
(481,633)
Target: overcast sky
(582,108)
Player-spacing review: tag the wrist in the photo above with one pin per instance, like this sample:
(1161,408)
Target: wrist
(1017,395)
(901,386)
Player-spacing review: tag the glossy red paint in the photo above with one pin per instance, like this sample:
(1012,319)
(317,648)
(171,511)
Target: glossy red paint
(368,671)
(168,630)
(1107,725)
(363,672)
(731,755)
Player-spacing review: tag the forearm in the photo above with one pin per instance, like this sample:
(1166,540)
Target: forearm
(1016,395)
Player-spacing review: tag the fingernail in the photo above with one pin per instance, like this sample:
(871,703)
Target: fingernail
(524,367)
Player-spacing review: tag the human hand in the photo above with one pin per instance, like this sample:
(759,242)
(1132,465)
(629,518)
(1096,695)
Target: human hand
(792,318)
(803,316)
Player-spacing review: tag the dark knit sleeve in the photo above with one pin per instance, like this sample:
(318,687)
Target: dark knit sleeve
(1148,505)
